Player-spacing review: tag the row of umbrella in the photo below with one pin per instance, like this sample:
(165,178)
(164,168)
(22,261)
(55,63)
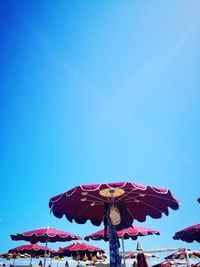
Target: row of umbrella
(53,235)
(115,204)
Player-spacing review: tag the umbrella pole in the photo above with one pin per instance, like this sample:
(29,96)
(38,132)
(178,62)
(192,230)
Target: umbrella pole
(14,261)
(187,257)
(123,251)
(45,253)
(31,260)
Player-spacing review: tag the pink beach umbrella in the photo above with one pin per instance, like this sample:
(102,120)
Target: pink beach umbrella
(14,256)
(33,250)
(86,202)
(189,234)
(45,235)
(182,254)
(130,200)
(80,249)
(141,259)
(132,232)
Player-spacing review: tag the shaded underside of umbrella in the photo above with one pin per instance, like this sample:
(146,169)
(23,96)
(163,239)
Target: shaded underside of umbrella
(14,255)
(132,232)
(86,202)
(45,234)
(80,249)
(33,250)
(189,234)
(182,254)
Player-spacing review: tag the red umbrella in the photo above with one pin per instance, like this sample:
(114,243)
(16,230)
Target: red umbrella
(45,235)
(182,254)
(189,234)
(80,249)
(86,202)
(33,249)
(14,256)
(132,232)
(118,204)
(141,259)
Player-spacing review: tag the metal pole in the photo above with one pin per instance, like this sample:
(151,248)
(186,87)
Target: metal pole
(124,257)
(45,252)
(187,257)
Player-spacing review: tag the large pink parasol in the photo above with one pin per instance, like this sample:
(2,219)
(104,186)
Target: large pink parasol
(189,234)
(46,234)
(80,249)
(86,202)
(132,232)
(182,254)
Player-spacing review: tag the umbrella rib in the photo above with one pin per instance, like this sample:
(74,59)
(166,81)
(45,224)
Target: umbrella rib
(160,197)
(96,198)
(151,206)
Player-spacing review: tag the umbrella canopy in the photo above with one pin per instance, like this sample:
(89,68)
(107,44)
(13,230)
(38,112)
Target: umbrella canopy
(132,232)
(45,234)
(182,254)
(33,249)
(189,234)
(86,202)
(80,249)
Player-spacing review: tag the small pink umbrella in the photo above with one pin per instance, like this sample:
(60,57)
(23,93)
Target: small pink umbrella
(80,249)
(132,232)
(189,234)
(46,234)
(182,254)
(14,256)
(141,259)
(33,250)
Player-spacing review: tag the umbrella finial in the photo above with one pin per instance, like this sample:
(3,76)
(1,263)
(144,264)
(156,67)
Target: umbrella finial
(139,246)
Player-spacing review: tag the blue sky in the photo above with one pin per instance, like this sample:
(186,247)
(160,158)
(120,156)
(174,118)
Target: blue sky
(94,92)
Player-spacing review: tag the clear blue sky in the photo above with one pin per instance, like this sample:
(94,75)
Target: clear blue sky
(93,92)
